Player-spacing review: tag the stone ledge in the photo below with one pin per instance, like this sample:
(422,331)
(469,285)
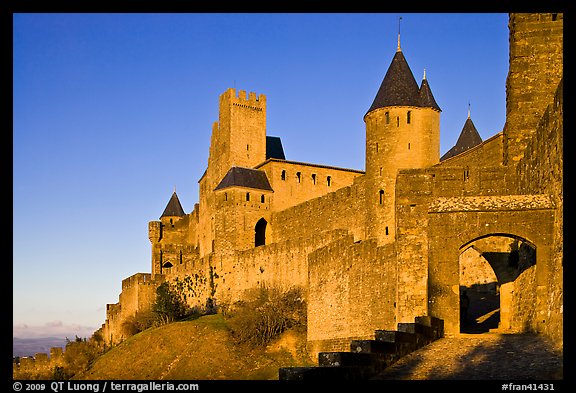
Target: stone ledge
(491,203)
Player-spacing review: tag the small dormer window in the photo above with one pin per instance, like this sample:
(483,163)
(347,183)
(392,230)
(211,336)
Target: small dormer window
(408,117)
(247,196)
(329,181)
(313,178)
(387,114)
(283,175)
(298,176)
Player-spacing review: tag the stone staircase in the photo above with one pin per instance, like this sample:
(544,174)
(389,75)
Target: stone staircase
(369,357)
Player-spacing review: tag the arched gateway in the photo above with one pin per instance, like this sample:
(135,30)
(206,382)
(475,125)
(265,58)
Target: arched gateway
(500,224)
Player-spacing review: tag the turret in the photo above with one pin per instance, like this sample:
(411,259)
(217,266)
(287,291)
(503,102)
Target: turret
(469,137)
(166,231)
(239,136)
(402,132)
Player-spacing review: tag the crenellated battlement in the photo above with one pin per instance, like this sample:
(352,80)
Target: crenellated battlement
(385,242)
(136,279)
(238,99)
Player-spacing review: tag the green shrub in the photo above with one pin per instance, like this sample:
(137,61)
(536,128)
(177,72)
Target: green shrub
(139,322)
(264,313)
(78,356)
(169,305)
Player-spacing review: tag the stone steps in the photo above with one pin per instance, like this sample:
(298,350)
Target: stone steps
(369,357)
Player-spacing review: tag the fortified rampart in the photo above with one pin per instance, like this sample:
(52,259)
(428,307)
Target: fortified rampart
(40,366)
(401,240)
(341,209)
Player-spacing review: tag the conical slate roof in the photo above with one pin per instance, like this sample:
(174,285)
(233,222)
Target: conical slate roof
(173,208)
(399,88)
(468,138)
(425,97)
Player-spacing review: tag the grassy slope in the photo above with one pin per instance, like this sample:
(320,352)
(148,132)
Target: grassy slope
(200,349)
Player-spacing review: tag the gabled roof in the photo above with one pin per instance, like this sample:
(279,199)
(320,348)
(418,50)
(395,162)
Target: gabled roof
(173,208)
(468,138)
(425,97)
(274,148)
(245,177)
(399,88)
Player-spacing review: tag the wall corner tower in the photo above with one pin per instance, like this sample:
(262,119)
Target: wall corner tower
(402,132)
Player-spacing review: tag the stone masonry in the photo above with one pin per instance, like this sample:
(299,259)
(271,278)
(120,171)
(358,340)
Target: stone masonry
(373,249)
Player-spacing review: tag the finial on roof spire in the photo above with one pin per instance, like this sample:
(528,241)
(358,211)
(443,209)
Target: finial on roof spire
(424,73)
(468,108)
(174,187)
(398,49)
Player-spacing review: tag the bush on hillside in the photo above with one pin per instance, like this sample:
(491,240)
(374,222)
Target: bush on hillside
(139,322)
(78,356)
(169,305)
(264,313)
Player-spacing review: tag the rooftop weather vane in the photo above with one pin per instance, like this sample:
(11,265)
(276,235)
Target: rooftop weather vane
(398,49)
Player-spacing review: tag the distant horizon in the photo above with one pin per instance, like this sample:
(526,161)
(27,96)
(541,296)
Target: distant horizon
(29,347)
(112,111)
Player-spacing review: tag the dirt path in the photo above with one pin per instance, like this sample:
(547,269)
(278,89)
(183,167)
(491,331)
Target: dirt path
(481,357)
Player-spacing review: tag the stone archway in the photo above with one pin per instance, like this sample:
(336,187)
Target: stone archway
(489,268)
(260,233)
(454,224)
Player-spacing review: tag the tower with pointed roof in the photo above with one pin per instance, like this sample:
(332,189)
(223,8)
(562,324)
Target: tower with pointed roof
(469,137)
(402,132)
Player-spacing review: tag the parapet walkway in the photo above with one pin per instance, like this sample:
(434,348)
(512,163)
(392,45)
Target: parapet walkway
(486,356)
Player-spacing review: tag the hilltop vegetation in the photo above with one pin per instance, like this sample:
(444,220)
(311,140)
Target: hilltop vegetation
(198,349)
(249,339)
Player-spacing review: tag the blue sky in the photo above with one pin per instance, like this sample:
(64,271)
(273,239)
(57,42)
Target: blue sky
(112,111)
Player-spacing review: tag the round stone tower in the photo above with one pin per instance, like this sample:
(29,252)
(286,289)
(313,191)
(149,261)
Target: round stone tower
(402,132)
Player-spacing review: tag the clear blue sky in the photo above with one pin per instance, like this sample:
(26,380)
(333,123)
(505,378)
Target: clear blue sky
(111,111)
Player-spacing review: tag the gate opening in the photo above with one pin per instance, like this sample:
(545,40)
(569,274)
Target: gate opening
(488,269)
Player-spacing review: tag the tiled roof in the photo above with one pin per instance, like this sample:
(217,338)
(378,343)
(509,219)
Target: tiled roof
(468,138)
(274,148)
(425,97)
(245,177)
(173,208)
(399,88)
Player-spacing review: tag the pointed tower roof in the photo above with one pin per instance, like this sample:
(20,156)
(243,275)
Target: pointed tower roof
(173,208)
(468,138)
(399,88)
(425,97)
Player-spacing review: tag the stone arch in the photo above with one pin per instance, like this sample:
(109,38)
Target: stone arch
(488,269)
(454,224)
(260,232)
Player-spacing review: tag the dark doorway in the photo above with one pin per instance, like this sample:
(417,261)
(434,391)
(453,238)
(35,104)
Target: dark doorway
(489,267)
(260,233)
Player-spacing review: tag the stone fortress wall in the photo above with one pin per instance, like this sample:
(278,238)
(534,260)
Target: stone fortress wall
(376,248)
